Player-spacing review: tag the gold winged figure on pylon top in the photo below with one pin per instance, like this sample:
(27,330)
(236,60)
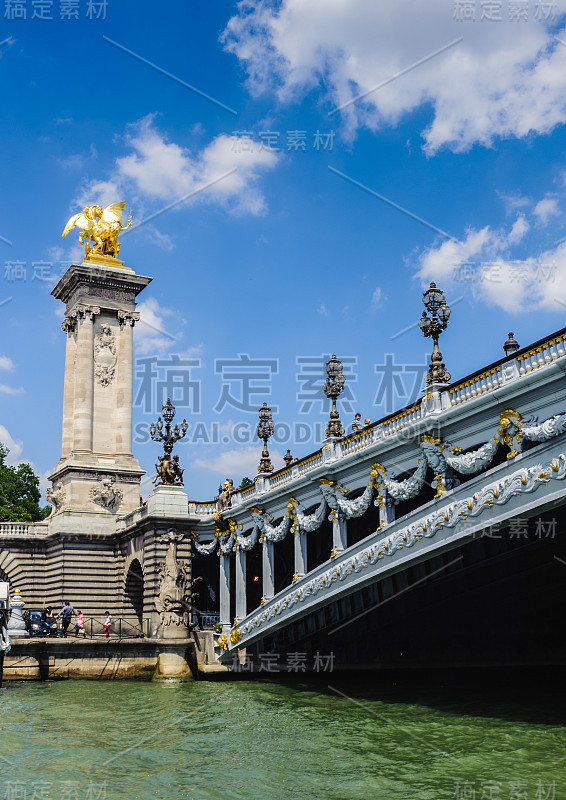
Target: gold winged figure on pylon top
(100,228)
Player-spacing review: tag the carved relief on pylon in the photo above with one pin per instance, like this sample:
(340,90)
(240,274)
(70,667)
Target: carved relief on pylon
(104,355)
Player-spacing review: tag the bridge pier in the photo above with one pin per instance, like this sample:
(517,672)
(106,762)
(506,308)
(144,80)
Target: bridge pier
(268,570)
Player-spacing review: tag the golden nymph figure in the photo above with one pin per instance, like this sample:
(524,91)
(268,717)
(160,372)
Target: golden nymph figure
(100,229)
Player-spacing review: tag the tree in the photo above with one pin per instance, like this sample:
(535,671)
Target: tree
(19,492)
(246,482)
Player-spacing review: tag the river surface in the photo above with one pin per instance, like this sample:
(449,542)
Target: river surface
(252,740)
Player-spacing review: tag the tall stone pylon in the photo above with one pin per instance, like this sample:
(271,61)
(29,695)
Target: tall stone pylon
(97,476)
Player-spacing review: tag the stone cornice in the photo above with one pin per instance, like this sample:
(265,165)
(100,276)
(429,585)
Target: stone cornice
(102,277)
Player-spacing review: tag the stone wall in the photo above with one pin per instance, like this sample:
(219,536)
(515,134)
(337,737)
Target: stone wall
(61,659)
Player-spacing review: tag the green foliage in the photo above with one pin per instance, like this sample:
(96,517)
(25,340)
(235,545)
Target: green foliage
(19,492)
(245,482)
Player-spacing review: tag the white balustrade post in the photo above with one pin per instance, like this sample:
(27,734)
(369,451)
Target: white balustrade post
(268,574)
(241,607)
(225,591)
(300,554)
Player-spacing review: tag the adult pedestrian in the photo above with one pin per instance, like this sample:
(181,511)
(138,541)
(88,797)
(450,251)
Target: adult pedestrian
(108,623)
(356,424)
(66,613)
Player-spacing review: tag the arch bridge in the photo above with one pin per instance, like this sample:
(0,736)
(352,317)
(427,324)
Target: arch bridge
(432,537)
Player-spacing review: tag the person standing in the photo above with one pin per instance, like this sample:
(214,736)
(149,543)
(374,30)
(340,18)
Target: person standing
(80,624)
(356,424)
(108,623)
(66,613)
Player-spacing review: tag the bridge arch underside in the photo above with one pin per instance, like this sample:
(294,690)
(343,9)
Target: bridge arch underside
(497,599)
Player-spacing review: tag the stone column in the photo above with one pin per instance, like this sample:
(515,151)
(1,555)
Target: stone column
(69,326)
(339,533)
(268,573)
(225,591)
(124,382)
(84,379)
(300,554)
(241,605)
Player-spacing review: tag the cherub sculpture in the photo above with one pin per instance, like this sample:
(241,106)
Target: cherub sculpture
(101,227)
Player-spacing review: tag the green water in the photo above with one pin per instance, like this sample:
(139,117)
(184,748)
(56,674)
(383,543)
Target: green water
(269,741)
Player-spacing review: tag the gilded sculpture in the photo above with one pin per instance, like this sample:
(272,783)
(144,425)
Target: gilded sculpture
(100,229)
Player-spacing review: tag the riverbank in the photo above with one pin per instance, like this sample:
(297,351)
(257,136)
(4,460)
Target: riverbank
(108,659)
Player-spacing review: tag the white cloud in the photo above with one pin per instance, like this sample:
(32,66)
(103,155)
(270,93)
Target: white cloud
(484,264)
(322,310)
(376,298)
(13,459)
(194,351)
(439,263)
(6,363)
(545,209)
(513,201)
(153,333)
(98,191)
(237,463)
(13,446)
(4,389)
(518,231)
(165,171)
(503,79)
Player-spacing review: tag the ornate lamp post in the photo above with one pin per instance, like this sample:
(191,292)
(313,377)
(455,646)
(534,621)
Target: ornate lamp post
(439,311)
(264,430)
(168,470)
(333,388)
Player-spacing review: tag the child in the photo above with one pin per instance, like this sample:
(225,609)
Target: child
(80,624)
(108,623)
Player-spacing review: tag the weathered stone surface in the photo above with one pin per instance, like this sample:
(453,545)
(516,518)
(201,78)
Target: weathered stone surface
(61,659)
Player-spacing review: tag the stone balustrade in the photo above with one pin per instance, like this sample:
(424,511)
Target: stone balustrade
(24,528)
(539,356)
(480,384)
(204,509)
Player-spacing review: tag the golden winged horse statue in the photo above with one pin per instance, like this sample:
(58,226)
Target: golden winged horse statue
(99,228)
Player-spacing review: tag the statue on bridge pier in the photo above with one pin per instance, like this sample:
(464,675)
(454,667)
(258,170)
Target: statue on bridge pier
(99,229)
(175,590)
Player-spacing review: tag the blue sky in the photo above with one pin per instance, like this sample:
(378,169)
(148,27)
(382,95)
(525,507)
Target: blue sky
(290,253)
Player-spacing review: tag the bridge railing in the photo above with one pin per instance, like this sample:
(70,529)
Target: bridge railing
(545,353)
(202,509)
(132,518)
(24,528)
(477,384)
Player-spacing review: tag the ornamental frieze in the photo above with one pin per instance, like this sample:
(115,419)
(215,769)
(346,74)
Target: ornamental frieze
(498,493)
